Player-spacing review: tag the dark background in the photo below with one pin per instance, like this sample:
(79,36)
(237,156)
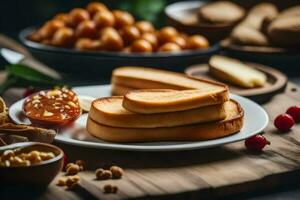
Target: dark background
(16,15)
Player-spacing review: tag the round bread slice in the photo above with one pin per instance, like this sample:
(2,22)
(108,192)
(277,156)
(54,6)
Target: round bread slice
(109,111)
(149,78)
(162,100)
(230,125)
(221,12)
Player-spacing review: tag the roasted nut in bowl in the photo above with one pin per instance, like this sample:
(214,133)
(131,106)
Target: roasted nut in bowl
(76,16)
(89,57)
(122,18)
(86,29)
(30,163)
(96,39)
(145,26)
(104,19)
(95,7)
(141,45)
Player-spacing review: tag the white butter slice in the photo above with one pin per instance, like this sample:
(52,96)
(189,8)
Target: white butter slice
(236,72)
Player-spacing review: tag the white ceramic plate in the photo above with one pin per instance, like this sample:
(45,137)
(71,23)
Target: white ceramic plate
(256,119)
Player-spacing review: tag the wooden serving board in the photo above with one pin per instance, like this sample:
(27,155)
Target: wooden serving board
(198,174)
(229,45)
(276,81)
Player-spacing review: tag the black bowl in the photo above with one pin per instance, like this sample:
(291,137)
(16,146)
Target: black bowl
(40,174)
(98,65)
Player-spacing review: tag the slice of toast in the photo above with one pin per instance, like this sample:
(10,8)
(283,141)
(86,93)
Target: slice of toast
(230,125)
(109,111)
(166,100)
(236,72)
(148,78)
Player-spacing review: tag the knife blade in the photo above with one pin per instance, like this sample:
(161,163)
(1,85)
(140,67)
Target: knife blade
(14,57)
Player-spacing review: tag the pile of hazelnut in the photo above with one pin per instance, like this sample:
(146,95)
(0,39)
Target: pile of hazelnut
(97,28)
(71,180)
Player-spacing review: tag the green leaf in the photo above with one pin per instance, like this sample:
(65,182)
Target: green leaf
(24,76)
(125,5)
(28,74)
(150,10)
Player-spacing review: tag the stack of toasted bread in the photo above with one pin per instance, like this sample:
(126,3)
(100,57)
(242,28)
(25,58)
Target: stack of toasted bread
(168,107)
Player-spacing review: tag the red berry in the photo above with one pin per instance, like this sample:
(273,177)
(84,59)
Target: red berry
(256,142)
(284,122)
(294,111)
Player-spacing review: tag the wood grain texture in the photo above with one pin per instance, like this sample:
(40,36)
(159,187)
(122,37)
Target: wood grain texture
(204,173)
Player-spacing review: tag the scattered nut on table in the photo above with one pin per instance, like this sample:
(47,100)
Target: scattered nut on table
(108,188)
(72,181)
(61,181)
(114,172)
(69,181)
(103,174)
(99,172)
(117,172)
(81,164)
(68,165)
(73,169)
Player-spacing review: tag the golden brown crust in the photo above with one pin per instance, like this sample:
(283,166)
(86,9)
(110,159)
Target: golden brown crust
(194,132)
(153,82)
(123,118)
(183,133)
(139,105)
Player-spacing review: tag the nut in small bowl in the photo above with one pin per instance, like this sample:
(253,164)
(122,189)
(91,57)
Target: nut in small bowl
(30,163)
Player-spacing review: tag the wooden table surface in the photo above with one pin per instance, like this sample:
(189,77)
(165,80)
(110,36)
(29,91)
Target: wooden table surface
(206,173)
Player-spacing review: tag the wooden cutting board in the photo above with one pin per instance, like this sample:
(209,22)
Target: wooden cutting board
(199,174)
